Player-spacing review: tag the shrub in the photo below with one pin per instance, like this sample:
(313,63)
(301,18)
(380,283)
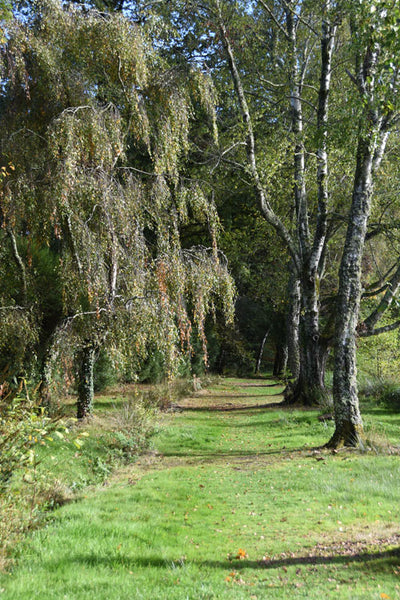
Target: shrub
(384,391)
(23,426)
(133,425)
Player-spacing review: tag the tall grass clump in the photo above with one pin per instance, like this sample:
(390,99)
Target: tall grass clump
(383,391)
(133,424)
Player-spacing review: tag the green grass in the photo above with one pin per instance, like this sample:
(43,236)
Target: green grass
(219,484)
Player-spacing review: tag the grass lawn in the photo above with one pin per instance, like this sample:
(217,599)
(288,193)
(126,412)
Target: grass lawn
(232,502)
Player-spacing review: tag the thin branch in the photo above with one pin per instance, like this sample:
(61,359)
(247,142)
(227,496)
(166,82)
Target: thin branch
(19,262)
(13,307)
(271,14)
(378,287)
(391,291)
(69,320)
(352,78)
(300,18)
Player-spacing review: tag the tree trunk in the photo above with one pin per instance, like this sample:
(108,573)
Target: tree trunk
(349,428)
(292,325)
(372,138)
(260,354)
(280,362)
(309,388)
(86,359)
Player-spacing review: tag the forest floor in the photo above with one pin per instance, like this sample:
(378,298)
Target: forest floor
(233,501)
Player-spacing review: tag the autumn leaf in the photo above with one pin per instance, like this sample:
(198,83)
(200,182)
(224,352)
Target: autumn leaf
(385,596)
(242,554)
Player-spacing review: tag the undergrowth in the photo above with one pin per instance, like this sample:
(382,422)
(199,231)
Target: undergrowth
(46,462)
(237,503)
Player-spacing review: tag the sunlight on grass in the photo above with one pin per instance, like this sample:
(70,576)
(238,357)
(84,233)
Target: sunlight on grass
(233,504)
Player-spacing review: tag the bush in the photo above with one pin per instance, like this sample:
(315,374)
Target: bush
(133,425)
(23,426)
(384,391)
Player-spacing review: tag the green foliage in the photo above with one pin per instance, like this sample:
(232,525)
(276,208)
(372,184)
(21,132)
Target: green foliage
(133,425)
(99,181)
(378,356)
(104,372)
(24,426)
(5,11)
(381,390)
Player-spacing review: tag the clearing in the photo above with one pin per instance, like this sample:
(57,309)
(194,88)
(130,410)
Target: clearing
(232,502)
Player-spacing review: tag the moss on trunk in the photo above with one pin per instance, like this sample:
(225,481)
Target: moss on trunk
(86,360)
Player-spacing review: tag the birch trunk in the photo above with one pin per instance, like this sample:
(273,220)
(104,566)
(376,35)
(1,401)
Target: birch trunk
(261,352)
(310,386)
(292,326)
(373,135)
(348,422)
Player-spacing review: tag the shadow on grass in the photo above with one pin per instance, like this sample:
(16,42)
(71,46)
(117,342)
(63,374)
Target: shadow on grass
(235,454)
(378,560)
(231,406)
(260,385)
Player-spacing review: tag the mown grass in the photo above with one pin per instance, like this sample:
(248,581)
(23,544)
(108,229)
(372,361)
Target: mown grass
(230,503)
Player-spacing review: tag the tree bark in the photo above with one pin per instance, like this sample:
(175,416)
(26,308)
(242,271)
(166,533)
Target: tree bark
(261,352)
(86,358)
(372,138)
(280,362)
(348,422)
(292,325)
(309,388)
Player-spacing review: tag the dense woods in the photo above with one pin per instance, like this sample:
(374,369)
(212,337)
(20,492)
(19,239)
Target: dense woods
(188,186)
